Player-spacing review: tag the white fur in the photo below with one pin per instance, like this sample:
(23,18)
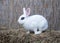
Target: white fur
(34,22)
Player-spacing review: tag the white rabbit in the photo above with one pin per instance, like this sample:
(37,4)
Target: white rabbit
(36,23)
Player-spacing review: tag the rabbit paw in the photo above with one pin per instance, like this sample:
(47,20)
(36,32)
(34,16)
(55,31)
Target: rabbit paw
(28,32)
(38,32)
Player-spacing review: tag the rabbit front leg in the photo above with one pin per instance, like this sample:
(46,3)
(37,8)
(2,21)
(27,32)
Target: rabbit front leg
(28,32)
(37,32)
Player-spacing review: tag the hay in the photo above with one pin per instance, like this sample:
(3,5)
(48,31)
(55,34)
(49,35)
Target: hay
(20,36)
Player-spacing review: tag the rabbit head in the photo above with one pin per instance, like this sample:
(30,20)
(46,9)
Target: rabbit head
(26,13)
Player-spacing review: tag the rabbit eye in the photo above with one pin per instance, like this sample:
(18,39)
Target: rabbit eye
(22,18)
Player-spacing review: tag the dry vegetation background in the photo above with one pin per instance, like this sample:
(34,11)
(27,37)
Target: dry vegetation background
(12,32)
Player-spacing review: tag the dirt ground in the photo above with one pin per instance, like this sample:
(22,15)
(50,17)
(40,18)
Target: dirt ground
(20,36)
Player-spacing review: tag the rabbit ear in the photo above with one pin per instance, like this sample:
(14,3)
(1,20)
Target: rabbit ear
(28,11)
(24,11)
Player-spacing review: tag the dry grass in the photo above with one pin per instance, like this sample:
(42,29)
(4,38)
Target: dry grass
(19,36)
